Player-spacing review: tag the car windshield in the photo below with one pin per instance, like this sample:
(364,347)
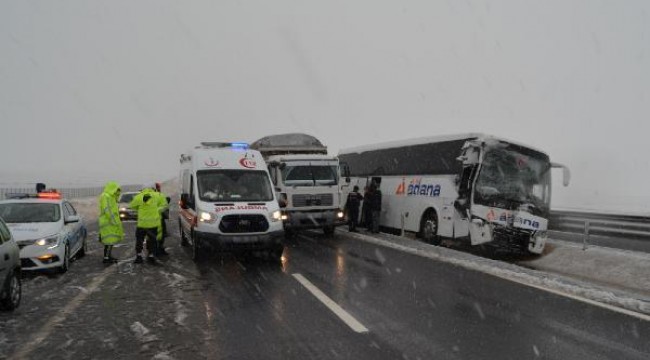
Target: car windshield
(234,185)
(127,197)
(309,175)
(30,212)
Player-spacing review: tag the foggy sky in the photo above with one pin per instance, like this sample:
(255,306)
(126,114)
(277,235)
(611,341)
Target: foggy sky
(92,91)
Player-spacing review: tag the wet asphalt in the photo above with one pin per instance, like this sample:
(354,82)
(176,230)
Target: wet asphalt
(243,306)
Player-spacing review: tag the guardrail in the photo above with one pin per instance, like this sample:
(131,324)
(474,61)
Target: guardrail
(621,231)
(68,193)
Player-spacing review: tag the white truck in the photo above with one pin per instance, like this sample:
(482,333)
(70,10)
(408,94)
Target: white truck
(306,180)
(227,201)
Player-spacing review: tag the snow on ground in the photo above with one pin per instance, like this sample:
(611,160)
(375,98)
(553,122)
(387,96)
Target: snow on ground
(586,288)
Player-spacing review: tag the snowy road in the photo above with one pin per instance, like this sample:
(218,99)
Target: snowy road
(248,308)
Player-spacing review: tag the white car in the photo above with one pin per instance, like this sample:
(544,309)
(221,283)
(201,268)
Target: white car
(47,229)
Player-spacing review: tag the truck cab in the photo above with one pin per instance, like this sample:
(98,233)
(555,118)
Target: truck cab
(306,181)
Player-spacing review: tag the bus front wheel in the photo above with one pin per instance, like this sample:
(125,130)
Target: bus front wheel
(429,228)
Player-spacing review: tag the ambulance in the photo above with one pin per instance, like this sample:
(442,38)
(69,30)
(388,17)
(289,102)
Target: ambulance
(227,201)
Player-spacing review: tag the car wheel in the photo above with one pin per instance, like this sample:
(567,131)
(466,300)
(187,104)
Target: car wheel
(84,248)
(429,228)
(12,291)
(182,234)
(66,260)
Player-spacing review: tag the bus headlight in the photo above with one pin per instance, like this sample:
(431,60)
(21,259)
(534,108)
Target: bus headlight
(206,217)
(276,215)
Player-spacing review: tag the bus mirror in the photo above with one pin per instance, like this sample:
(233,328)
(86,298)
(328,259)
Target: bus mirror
(566,173)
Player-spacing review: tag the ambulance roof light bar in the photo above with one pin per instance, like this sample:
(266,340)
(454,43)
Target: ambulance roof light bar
(216,144)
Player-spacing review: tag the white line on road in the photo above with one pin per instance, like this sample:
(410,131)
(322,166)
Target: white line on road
(334,307)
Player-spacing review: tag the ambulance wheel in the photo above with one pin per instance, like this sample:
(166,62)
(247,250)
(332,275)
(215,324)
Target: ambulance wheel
(197,251)
(182,234)
(329,230)
(12,292)
(429,228)
(276,252)
(66,260)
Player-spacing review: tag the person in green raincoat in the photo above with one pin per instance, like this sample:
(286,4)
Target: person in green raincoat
(111,230)
(149,205)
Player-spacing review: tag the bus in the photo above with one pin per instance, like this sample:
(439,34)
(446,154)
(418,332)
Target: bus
(472,187)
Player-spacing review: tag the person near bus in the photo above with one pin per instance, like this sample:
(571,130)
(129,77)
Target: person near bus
(149,205)
(162,230)
(111,230)
(366,214)
(352,208)
(375,207)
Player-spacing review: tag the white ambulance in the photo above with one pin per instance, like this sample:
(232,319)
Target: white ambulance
(227,201)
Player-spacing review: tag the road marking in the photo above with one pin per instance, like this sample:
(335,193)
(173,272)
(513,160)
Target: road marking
(70,308)
(334,307)
(504,274)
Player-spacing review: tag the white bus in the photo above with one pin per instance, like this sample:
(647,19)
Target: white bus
(470,186)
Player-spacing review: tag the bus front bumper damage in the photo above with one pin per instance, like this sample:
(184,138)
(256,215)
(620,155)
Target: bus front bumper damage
(482,232)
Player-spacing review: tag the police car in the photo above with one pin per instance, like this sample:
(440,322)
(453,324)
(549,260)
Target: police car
(47,229)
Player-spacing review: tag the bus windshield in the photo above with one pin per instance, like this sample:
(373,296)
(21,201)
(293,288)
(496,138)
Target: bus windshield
(312,174)
(234,185)
(510,179)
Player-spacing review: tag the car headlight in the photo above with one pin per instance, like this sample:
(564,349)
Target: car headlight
(276,215)
(48,241)
(340,214)
(122,209)
(206,217)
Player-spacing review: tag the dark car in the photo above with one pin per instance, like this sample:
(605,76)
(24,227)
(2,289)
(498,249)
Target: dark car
(124,201)
(11,287)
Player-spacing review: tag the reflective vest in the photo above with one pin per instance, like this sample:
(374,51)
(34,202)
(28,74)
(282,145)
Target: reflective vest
(110,225)
(149,211)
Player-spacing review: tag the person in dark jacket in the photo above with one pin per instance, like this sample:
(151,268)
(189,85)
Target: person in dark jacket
(352,207)
(366,214)
(375,207)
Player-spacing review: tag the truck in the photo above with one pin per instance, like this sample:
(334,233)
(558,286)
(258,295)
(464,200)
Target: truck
(227,201)
(306,180)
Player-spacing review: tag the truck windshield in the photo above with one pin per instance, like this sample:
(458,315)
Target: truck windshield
(309,175)
(234,185)
(30,212)
(510,179)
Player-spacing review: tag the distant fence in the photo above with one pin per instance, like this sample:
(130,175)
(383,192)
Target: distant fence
(68,193)
(621,231)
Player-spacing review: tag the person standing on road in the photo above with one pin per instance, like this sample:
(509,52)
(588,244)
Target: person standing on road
(111,230)
(366,214)
(162,230)
(149,205)
(375,206)
(352,207)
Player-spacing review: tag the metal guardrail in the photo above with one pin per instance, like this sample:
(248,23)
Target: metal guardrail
(621,231)
(68,193)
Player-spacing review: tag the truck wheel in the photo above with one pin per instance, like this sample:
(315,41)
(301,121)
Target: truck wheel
(329,230)
(182,234)
(12,292)
(429,228)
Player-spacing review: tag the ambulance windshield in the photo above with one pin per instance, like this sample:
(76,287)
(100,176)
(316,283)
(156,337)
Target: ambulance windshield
(234,185)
